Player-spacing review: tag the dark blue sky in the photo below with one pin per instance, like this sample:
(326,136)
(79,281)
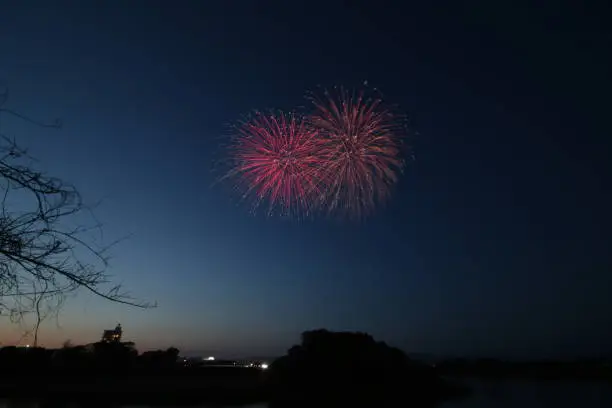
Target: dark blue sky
(495,242)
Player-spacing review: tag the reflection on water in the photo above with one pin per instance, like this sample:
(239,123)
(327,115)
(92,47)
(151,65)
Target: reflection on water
(487,394)
(536,394)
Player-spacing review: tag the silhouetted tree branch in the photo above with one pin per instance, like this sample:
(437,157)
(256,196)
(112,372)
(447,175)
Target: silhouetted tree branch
(44,251)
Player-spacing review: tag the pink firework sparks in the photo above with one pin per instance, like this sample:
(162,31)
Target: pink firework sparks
(360,151)
(276,159)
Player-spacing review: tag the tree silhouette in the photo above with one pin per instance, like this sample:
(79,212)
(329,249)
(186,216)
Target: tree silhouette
(45,253)
(352,369)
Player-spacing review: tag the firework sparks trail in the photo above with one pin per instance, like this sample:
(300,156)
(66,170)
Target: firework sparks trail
(359,151)
(343,157)
(276,158)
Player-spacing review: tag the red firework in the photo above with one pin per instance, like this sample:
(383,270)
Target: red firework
(276,158)
(359,150)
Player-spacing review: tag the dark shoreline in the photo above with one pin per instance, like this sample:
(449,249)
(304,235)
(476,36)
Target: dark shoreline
(227,386)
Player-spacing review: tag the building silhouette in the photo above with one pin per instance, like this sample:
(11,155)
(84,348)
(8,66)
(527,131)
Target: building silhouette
(112,336)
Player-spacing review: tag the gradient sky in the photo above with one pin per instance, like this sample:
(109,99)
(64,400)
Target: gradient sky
(496,242)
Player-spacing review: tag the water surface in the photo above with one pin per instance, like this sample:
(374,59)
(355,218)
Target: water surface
(535,394)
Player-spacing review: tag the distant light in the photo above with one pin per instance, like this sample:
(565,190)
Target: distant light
(27,345)
(264,366)
(211,358)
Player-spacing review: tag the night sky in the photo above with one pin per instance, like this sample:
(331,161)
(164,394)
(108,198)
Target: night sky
(497,238)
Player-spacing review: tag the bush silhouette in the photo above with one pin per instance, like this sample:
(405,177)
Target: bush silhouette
(350,369)
(159,359)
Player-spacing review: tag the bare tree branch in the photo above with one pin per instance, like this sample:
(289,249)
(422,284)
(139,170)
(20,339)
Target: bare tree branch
(43,255)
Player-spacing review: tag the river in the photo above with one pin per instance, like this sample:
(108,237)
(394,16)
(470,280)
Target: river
(496,394)
(536,394)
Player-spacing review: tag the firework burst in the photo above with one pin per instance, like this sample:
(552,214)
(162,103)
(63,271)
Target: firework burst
(276,159)
(359,150)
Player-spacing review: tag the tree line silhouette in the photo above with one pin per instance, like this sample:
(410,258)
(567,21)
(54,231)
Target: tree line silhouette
(336,368)
(110,373)
(100,357)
